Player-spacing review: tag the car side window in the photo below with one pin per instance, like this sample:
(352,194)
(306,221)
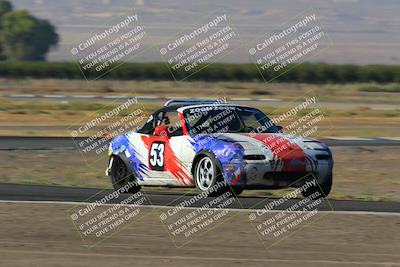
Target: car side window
(162,118)
(148,127)
(171,119)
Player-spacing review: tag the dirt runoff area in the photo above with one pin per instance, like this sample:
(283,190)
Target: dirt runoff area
(42,234)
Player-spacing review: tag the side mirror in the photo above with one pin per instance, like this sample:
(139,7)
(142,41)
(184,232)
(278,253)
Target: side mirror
(161,130)
(280,128)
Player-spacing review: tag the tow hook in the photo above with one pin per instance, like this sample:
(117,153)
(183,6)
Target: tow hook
(108,170)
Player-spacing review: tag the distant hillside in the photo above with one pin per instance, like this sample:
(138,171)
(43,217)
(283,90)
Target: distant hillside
(363,31)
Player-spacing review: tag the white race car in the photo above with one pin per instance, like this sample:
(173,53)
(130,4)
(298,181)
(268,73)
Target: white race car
(203,144)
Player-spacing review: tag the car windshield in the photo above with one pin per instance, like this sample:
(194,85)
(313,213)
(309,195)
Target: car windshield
(227,119)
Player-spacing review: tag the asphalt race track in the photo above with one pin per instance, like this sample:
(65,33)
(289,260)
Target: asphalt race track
(37,229)
(18,192)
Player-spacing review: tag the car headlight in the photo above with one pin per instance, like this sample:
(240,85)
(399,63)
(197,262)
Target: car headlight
(314,145)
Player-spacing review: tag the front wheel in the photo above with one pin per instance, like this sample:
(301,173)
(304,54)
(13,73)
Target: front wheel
(237,190)
(122,176)
(324,189)
(208,178)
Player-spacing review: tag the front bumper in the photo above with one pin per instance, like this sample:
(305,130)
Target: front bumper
(261,176)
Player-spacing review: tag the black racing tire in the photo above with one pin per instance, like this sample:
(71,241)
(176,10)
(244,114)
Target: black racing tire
(207,174)
(324,188)
(237,190)
(121,174)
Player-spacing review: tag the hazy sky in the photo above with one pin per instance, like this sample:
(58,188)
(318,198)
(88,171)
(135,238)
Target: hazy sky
(363,31)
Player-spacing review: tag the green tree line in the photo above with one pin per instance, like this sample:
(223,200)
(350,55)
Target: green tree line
(23,36)
(305,73)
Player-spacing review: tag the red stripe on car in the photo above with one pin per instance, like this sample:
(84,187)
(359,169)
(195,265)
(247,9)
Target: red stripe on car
(292,156)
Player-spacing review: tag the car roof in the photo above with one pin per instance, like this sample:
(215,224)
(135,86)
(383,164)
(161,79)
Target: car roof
(169,108)
(208,105)
(184,106)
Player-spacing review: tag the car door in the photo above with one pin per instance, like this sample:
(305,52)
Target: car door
(164,152)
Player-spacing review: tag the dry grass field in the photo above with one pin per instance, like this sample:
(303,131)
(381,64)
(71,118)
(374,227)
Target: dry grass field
(349,110)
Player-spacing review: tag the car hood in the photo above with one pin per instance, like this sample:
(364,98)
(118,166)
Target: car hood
(275,143)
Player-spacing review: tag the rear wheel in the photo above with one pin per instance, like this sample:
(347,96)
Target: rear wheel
(324,189)
(121,175)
